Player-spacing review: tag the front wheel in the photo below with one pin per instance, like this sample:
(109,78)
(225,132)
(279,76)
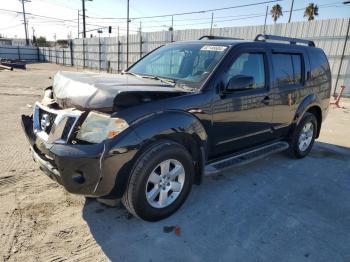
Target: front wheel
(304,135)
(160,181)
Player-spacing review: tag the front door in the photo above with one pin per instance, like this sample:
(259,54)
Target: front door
(242,117)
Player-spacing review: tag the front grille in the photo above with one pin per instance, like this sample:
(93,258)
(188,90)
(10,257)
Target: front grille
(52,125)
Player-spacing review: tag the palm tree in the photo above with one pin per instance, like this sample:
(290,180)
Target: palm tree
(276,12)
(311,11)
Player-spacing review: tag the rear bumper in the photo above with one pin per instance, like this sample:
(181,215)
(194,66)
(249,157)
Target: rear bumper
(89,170)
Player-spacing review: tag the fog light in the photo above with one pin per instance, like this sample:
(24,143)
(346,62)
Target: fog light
(78,177)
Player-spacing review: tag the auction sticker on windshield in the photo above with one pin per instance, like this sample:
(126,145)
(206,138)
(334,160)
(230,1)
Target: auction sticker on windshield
(217,48)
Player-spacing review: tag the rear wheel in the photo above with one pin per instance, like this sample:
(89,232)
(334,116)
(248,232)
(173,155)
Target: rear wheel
(160,181)
(304,135)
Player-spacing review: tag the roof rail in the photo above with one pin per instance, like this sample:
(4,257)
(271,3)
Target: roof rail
(211,37)
(292,41)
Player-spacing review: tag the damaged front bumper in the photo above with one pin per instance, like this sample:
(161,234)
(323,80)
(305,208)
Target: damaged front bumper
(87,169)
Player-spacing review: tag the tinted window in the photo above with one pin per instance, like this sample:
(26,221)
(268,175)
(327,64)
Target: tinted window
(297,68)
(249,64)
(319,64)
(191,63)
(288,69)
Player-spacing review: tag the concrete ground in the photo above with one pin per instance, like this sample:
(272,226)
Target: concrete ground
(275,209)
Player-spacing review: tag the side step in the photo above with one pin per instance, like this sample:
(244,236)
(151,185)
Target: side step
(244,158)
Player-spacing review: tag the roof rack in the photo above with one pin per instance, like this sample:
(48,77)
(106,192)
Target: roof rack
(212,37)
(292,41)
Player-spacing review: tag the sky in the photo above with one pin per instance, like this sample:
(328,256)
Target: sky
(58,19)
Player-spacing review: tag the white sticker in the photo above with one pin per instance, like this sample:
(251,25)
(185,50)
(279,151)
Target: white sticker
(217,48)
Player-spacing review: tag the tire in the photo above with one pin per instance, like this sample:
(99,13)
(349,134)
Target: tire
(301,146)
(139,199)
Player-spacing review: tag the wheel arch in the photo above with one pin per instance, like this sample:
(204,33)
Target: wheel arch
(180,127)
(177,126)
(310,104)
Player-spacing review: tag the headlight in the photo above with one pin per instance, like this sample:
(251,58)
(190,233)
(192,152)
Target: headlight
(98,127)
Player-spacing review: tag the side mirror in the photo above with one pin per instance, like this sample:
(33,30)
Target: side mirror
(240,83)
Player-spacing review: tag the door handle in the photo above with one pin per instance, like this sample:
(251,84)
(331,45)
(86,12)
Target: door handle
(266,100)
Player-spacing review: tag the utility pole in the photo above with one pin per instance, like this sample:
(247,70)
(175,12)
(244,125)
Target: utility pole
(140,39)
(78,23)
(33,33)
(172,28)
(25,22)
(84,25)
(291,11)
(267,10)
(211,24)
(343,52)
(127,34)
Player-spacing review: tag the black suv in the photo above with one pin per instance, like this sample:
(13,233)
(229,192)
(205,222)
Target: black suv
(184,110)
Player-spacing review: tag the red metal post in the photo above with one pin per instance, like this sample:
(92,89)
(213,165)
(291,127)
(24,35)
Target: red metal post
(338,97)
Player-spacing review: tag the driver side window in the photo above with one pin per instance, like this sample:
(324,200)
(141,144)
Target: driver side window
(249,64)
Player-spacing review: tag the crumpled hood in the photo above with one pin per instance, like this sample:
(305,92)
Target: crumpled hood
(99,90)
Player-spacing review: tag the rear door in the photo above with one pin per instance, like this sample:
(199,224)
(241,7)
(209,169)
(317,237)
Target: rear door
(242,118)
(289,66)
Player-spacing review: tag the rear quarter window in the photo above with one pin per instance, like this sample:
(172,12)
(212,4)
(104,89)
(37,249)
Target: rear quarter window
(319,64)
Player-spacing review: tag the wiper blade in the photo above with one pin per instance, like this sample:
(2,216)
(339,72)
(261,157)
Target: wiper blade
(164,80)
(130,73)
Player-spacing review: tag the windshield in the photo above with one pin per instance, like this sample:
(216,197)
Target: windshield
(189,63)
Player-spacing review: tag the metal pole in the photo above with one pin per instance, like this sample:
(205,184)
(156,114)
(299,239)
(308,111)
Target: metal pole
(99,52)
(71,53)
(25,23)
(127,35)
(118,51)
(84,25)
(267,10)
(211,24)
(140,39)
(19,53)
(78,23)
(172,28)
(342,56)
(291,11)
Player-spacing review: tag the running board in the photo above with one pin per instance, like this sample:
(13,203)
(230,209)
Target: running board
(244,158)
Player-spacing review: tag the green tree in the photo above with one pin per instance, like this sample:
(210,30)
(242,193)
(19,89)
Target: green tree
(311,11)
(41,41)
(276,12)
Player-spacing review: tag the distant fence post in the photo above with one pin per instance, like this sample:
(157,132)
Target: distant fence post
(118,56)
(71,53)
(56,55)
(99,54)
(83,52)
(141,42)
(19,53)
(38,52)
(50,54)
(63,57)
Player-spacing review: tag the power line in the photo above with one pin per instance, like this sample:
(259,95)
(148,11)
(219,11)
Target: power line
(209,10)
(240,17)
(191,12)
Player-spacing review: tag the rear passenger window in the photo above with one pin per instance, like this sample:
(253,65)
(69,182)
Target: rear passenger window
(288,69)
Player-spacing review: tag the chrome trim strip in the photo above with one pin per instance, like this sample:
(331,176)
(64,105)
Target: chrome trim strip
(241,137)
